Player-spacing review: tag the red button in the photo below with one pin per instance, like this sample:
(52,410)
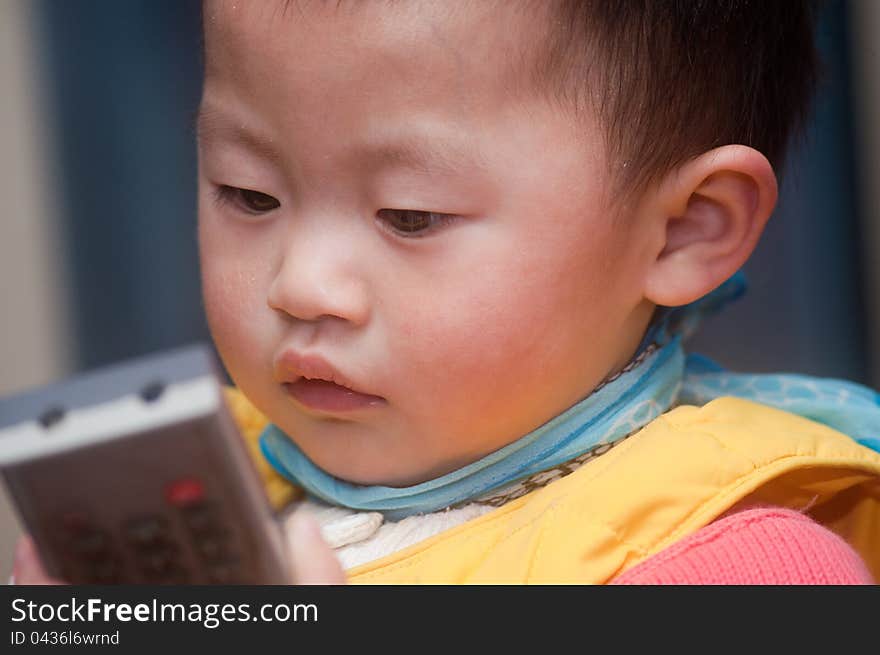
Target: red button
(184,492)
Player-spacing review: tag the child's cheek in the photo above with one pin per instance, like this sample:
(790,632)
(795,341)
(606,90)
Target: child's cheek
(233,309)
(223,304)
(462,349)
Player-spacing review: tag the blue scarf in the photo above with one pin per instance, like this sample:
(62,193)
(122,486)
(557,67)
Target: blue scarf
(659,377)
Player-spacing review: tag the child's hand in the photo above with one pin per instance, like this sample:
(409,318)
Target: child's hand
(28,569)
(313,560)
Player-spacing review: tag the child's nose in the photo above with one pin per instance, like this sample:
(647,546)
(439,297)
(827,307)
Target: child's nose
(316,281)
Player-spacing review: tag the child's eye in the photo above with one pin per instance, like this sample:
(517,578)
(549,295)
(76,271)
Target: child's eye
(412,222)
(253,202)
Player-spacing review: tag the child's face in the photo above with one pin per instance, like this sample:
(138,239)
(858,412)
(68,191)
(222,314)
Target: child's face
(474,331)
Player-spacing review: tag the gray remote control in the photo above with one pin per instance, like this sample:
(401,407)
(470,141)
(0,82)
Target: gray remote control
(137,474)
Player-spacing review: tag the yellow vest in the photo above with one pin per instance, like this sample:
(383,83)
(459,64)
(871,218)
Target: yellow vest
(673,477)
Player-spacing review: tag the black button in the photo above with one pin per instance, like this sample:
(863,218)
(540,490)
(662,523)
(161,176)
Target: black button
(158,564)
(212,548)
(223,573)
(148,530)
(158,561)
(201,518)
(52,416)
(152,391)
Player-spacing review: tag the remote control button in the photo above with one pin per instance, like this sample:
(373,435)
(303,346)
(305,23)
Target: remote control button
(213,548)
(52,416)
(159,561)
(185,492)
(202,518)
(151,392)
(146,531)
(158,564)
(224,572)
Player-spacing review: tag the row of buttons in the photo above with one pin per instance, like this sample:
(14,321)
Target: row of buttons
(153,544)
(149,393)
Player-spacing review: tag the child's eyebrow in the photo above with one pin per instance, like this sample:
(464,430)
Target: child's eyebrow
(214,125)
(425,151)
(427,154)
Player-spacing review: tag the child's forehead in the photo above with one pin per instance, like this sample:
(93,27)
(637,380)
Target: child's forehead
(506,33)
(340,83)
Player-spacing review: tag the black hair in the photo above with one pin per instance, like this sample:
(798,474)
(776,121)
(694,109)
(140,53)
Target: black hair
(671,79)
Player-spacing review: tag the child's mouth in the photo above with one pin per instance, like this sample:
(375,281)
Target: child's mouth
(329,397)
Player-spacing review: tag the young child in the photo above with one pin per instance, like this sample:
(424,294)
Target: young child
(450,254)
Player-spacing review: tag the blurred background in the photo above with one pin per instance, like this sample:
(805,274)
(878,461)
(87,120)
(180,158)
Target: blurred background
(98,258)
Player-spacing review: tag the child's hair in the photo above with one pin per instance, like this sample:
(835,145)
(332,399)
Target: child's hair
(670,79)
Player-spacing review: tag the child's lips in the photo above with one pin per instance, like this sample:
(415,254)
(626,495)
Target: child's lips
(330,397)
(292,365)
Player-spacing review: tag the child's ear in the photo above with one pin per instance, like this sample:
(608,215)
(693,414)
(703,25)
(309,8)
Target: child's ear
(708,215)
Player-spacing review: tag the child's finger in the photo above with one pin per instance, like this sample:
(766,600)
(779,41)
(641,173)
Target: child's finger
(313,560)
(28,569)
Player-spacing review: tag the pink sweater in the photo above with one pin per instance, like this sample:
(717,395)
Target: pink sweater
(754,547)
